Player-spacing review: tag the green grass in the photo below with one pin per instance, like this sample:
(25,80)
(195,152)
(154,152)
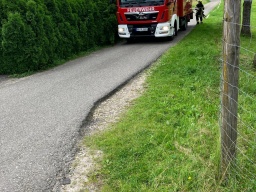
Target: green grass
(169,139)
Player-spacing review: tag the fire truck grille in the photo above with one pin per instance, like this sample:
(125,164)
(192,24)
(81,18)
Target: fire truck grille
(141,16)
(142,30)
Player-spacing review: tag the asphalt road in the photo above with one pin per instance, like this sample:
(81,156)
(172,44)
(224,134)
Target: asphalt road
(41,116)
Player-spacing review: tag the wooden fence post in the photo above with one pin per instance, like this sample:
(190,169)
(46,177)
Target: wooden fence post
(254,61)
(230,74)
(246,27)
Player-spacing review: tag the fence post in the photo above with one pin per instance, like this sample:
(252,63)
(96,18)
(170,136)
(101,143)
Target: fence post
(230,75)
(254,61)
(246,27)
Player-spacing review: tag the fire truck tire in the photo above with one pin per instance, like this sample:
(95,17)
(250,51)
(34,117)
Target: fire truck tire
(175,29)
(184,27)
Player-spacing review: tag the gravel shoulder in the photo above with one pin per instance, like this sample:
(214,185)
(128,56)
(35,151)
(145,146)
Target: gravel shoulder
(105,114)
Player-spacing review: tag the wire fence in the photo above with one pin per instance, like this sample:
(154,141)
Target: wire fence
(241,134)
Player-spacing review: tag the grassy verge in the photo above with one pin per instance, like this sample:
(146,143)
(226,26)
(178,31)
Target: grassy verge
(169,139)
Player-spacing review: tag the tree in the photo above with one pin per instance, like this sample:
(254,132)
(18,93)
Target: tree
(14,44)
(246,27)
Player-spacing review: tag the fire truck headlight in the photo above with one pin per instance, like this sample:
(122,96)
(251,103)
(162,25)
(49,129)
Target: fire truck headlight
(164,28)
(121,30)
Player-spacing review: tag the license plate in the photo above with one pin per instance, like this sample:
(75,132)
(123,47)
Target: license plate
(141,29)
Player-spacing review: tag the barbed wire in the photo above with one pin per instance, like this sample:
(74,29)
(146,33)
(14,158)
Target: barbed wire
(239,47)
(239,24)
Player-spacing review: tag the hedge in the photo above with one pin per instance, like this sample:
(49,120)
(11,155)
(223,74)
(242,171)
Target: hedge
(34,34)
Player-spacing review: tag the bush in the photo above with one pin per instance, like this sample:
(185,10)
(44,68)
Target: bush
(34,34)
(13,41)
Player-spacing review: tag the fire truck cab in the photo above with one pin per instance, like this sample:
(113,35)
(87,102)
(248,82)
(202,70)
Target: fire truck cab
(156,18)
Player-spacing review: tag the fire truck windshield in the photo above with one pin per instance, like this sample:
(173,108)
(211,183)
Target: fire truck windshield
(140,3)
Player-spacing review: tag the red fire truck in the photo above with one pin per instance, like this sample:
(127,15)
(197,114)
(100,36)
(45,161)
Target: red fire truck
(156,18)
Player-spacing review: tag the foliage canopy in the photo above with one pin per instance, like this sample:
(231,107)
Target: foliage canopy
(34,34)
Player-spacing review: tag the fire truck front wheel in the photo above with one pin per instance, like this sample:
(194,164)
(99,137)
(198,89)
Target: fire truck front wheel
(175,29)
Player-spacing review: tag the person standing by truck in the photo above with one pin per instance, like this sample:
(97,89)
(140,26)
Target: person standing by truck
(199,12)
